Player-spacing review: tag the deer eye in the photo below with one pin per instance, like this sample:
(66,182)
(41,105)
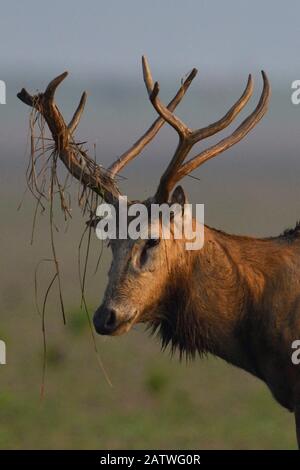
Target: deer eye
(151,243)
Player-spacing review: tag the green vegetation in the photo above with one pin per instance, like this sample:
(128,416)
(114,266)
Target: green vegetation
(155,401)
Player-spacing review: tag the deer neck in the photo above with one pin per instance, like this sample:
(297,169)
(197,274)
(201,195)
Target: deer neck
(205,304)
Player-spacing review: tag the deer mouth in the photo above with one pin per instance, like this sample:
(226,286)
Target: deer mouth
(125,325)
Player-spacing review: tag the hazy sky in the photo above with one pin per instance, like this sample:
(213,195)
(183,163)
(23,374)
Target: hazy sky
(110,36)
(101,44)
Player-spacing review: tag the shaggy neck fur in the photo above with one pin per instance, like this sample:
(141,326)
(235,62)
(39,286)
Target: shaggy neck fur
(238,298)
(202,315)
(223,299)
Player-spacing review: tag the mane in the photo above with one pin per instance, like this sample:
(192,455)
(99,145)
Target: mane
(290,234)
(178,324)
(187,342)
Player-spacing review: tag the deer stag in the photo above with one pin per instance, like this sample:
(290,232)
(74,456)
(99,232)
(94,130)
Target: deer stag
(238,297)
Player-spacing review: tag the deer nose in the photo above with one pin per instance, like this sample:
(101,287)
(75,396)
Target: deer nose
(105,320)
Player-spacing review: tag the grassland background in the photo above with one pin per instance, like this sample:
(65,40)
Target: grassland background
(155,401)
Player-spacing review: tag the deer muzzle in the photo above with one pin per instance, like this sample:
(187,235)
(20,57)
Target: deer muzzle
(109,321)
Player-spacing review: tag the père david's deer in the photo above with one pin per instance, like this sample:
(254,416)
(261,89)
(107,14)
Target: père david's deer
(238,297)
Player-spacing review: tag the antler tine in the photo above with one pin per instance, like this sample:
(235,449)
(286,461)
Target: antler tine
(229,117)
(149,82)
(77,115)
(139,145)
(51,88)
(163,111)
(24,96)
(235,137)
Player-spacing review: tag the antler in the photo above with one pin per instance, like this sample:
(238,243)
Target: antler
(78,163)
(103,181)
(177,169)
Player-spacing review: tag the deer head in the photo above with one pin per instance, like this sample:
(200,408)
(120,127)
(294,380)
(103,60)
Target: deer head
(144,273)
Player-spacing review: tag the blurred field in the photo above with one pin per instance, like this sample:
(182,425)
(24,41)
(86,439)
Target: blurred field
(155,401)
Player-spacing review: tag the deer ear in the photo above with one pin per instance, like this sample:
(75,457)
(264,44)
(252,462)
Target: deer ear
(179,196)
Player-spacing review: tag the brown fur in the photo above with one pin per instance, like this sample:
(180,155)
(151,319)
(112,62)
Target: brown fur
(237,298)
